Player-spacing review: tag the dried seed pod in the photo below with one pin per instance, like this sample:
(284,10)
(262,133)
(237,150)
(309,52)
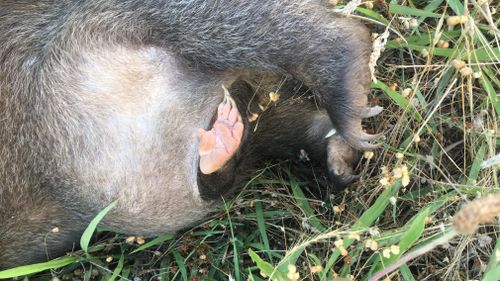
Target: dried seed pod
(405,178)
(424,53)
(354,236)
(479,211)
(343,251)
(406,92)
(395,249)
(140,240)
(458,64)
(466,71)
(130,240)
(372,244)
(416,139)
(368,154)
(443,44)
(393,86)
(454,20)
(338,243)
(316,268)
(274,96)
(413,22)
(253,117)
(386,253)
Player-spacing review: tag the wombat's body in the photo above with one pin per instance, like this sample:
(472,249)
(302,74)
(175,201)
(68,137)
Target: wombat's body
(102,101)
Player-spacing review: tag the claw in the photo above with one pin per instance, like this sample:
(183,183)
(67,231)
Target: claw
(372,111)
(228,98)
(369,137)
(331,133)
(366,146)
(358,139)
(343,180)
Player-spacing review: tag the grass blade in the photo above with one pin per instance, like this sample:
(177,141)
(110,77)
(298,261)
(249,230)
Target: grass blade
(456,6)
(302,202)
(156,241)
(476,165)
(87,234)
(265,267)
(406,273)
(118,268)
(493,269)
(179,260)
(37,267)
(261,224)
(408,11)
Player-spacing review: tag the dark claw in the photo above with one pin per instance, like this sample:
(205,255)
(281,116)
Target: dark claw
(365,146)
(362,141)
(368,137)
(343,180)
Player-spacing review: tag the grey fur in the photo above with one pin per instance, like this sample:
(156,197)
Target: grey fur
(100,100)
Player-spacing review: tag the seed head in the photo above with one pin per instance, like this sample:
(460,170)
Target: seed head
(354,236)
(466,71)
(253,117)
(479,211)
(140,240)
(413,22)
(368,154)
(316,268)
(454,20)
(424,53)
(274,96)
(406,92)
(372,244)
(130,240)
(443,44)
(458,64)
(395,249)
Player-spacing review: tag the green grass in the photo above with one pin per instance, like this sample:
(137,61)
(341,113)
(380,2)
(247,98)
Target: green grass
(283,220)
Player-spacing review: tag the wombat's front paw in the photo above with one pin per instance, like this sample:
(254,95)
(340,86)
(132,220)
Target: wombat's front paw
(353,133)
(341,160)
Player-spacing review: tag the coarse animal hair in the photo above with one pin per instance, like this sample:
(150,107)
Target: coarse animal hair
(101,100)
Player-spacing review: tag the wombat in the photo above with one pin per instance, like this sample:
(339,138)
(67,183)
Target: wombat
(106,100)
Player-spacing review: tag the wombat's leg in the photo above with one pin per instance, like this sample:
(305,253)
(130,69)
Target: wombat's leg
(35,228)
(292,126)
(219,144)
(329,53)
